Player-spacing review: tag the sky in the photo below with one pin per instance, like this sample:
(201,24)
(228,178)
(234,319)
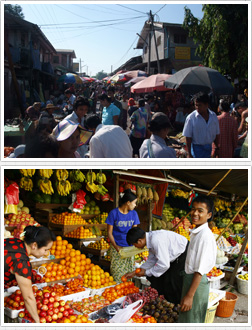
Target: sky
(103,35)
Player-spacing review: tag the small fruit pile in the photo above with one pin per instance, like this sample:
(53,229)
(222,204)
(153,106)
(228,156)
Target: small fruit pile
(50,307)
(36,278)
(67,218)
(244,277)
(162,310)
(180,193)
(72,286)
(99,245)
(76,319)
(214,272)
(90,304)
(216,230)
(101,218)
(142,255)
(15,301)
(147,294)
(96,278)
(183,232)
(120,290)
(81,233)
(138,318)
(10,284)
(232,241)
(61,248)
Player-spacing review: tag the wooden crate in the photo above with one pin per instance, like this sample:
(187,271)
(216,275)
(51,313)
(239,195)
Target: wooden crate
(95,252)
(41,216)
(78,242)
(42,206)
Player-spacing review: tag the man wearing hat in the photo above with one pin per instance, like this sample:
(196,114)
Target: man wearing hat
(156,147)
(46,118)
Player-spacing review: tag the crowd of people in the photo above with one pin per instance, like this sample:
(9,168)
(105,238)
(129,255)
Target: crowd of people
(105,122)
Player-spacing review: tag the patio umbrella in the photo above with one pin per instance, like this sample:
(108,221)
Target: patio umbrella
(118,77)
(152,83)
(199,79)
(135,73)
(134,81)
(70,78)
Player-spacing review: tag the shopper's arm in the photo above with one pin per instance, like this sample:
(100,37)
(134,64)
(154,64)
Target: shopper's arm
(187,300)
(28,295)
(111,237)
(115,120)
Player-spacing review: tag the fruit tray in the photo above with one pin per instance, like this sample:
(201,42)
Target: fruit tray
(12,313)
(219,295)
(77,296)
(215,281)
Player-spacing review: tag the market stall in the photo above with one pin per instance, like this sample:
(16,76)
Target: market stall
(73,284)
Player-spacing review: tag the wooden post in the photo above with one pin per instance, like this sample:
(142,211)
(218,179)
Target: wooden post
(149,214)
(116,191)
(13,74)
(239,259)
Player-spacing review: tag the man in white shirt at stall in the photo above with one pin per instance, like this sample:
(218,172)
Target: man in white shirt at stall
(201,129)
(108,141)
(166,260)
(200,259)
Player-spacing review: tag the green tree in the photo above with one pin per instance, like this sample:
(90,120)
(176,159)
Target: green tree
(222,37)
(100,75)
(14,10)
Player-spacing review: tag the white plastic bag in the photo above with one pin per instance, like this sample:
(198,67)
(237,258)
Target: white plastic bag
(123,315)
(129,251)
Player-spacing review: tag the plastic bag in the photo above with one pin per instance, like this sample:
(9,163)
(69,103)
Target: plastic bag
(123,315)
(130,251)
(80,199)
(12,194)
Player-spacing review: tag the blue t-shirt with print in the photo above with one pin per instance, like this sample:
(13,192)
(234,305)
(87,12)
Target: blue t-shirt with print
(122,223)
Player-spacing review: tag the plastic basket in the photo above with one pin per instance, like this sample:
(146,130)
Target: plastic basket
(226,307)
(242,285)
(210,314)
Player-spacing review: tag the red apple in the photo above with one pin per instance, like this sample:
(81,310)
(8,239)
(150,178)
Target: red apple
(17,298)
(42,320)
(50,305)
(48,319)
(39,293)
(60,315)
(46,294)
(42,314)
(45,301)
(65,313)
(15,305)
(21,314)
(57,298)
(67,306)
(55,310)
(51,299)
(70,311)
(50,312)
(55,317)
(56,304)
(61,309)
(21,304)
(53,294)
(62,302)
(39,305)
(18,292)
(45,308)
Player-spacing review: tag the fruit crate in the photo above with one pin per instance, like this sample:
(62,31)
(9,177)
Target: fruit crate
(12,313)
(78,242)
(38,263)
(95,252)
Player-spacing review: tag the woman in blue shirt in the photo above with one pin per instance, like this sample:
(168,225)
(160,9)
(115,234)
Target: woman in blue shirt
(119,221)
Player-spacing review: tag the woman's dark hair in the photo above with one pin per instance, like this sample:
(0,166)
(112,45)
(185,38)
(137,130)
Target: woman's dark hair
(127,196)
(208,201)
(41,235)
(92,121)
(134,234)
(103,97)
(80,100)
(224,106)
(155,127)
(201,97)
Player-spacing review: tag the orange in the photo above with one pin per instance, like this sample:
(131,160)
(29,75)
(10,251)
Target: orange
(67,258)
(70,271)
(58,277)
(63,262)
(67,251)
(64,242)
(77,252)
(69,246)
(59,243)
(77,321)
(77,269)
(73,259)
(75,274)
(60,267)
(67,321)
(72,265)
(49,268)
(59,272)
(58,247)
(83,256)
(72,254)
(88,261)
(72,318)
(54,273)
(55,267)
(58,238)
(48,274)
(84,319)
(78,258)
(64,271)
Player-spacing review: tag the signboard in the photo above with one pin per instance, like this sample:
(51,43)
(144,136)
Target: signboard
(182,53)
(76,67)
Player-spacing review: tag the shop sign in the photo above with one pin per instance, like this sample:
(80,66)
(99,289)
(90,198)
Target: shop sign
(182,53)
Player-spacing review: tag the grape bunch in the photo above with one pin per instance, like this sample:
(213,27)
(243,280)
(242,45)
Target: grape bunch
(149,294)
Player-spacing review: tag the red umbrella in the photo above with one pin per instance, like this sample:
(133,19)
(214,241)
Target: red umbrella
(153,83)
(134,74)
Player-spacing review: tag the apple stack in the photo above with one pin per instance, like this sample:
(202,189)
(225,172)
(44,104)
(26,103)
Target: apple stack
(51,308)
(15,301)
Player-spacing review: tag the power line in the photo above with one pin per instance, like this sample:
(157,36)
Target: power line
(126,51)
(160,9)
(131,9)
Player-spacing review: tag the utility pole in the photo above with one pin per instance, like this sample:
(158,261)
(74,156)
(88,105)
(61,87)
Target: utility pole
(154,34)
(80,66)
(149,54)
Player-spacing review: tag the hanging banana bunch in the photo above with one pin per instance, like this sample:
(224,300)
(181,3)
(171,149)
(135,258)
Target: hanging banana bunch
(101,177)
(63,187)
(75,186)
(26,183)
(62,174)
(91,186)
(44,173)
(27,172)
(149,194)
(45,185)
(144,199)
(155,196)
(76,175)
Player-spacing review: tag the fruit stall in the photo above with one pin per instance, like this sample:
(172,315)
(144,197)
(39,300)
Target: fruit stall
(73,284)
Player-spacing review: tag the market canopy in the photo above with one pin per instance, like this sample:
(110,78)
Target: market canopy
(197,79)
(152,83)
(235,183)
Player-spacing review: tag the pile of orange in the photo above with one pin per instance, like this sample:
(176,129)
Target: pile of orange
(81,233)
(119,290)
(139,319)
(67,218)
(77,319)
(55,272)
(60,248)
(96,278)
(76,263)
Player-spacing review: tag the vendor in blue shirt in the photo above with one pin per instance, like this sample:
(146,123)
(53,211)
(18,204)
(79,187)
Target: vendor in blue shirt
(119,221)
(110,112)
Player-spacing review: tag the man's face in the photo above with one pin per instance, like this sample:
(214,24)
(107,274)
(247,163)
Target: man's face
(241,109)
(200,214)
(105,103)
(71,144)
(111,94)
(201,107)
(140,244)
(81,111)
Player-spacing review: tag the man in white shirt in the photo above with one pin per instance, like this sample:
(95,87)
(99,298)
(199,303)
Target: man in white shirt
(200,259)
(80,109)
(71,98)
(108,141)
(166,260)
(201,129)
